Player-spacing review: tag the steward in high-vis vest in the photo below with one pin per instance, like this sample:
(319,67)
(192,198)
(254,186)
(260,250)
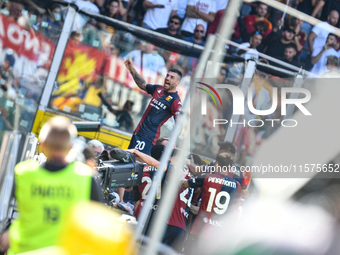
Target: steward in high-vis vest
(45,193)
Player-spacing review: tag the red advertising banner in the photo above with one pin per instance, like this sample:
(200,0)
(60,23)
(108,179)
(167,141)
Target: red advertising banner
(28,43)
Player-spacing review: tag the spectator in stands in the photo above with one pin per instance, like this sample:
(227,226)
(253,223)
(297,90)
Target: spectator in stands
(319,55)
(276,46)
(221,5)
(173,27)
(290,53)
(115,9)
(332,67)
(123,117)
(317,38)
(136,11)
(127,5)
(197,36)
(53,25)
(15,10)
(212,29)
(182,5)
(81,20)
(75,39)
(158,13)
(255,40)
(259,26)
(327,6)
(147,60)
(300,38)
(249,20)
(6,70)
(305,6)
(87,5)
(198,12)
(221,77)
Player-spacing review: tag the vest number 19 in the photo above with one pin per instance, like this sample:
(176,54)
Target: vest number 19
(51,214)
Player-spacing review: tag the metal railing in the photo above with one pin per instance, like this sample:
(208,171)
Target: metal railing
(15,147)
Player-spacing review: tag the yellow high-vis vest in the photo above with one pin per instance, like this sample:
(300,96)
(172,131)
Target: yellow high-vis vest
(43,199)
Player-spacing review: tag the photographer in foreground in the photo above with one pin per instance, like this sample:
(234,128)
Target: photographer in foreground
(45,193)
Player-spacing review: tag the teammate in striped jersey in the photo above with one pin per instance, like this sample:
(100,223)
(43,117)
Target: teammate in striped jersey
(177,223)
(219,191)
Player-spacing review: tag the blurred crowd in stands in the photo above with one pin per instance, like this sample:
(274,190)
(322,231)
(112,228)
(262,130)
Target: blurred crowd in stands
(259,27)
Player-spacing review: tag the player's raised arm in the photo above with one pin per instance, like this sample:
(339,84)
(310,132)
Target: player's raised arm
(139,80)
(146,158)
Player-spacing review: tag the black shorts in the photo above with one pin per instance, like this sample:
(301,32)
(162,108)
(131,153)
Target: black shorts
(140,143)
(174,237)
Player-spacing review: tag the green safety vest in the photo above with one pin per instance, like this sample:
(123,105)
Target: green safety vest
(43,199)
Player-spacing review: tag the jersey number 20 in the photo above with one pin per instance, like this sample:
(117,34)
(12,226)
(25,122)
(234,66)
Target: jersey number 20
(220,208)
(140,145)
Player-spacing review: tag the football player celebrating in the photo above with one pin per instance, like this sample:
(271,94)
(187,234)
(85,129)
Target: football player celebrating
(177,223)
(218,192)
(164,104)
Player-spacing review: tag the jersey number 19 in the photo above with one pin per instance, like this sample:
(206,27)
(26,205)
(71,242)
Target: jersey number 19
(220,208)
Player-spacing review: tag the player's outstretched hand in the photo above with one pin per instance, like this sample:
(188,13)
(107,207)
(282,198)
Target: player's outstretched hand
(131,150)
(128,63)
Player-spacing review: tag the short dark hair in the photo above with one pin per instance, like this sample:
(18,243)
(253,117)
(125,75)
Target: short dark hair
(291,45)
(161,139)
(54,6)
(176,17)
(228,146)
(261,24)
(89,153)
(258,4)
(223,159)
(178,72)
(332,34)
(157,151)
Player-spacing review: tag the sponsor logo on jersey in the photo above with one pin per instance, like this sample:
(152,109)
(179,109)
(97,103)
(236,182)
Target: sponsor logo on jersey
(159,91)
(215,223)
(222,181)
(169,98)
(155,103)
(148,168)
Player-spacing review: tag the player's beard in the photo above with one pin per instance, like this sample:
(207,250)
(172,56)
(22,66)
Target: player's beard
(171,87)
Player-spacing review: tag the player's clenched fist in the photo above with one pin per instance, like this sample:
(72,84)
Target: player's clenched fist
(128,64)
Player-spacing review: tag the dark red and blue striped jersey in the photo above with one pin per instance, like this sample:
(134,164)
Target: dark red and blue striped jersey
(218,192)
(147,180)
(180,211)
(148,174)
(162,106)
(242,177)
